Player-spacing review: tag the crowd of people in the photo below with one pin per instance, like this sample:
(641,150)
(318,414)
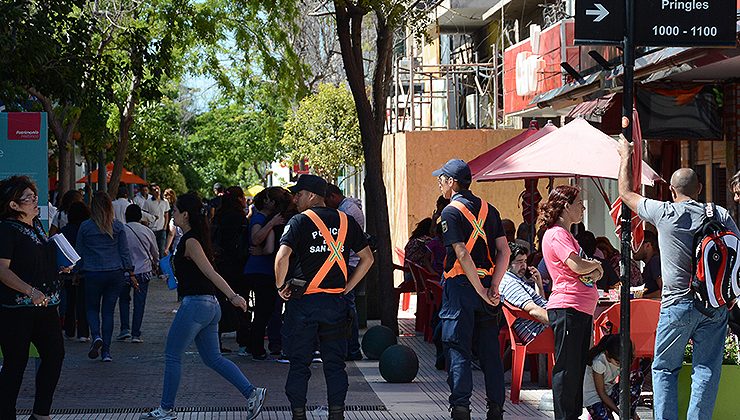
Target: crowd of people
(308,241)
(556,281)
(223,251)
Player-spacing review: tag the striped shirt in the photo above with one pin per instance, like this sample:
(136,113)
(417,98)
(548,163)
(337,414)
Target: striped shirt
(517,292)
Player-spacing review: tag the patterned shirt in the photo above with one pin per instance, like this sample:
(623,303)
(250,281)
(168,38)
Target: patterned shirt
(33,258)
(517,292)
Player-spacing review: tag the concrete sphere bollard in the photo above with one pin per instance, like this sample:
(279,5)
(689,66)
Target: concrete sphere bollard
(376,340)
(399,364)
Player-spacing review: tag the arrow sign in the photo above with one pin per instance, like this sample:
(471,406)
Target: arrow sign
(600,12)
(600,21)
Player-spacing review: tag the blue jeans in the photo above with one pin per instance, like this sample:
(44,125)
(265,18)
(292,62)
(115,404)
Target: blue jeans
(161,237)
(678,323)
(139,302)
(197,320)
(465,317)
(353,342)
(102,286)
(327,316)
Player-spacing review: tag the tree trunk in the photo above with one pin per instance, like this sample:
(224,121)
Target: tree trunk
(124,131)
(63,134)
(102,172)
(349,30)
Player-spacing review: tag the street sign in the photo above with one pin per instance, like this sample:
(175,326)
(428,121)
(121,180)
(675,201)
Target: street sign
(658,23)
(685,23)
(599,21)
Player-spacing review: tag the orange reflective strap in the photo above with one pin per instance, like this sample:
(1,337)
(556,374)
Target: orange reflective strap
(478,224)
(335,252)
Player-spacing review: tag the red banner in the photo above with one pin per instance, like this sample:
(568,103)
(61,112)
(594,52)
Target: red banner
(24,126)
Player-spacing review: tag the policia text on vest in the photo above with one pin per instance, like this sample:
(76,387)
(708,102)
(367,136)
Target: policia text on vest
(321,311)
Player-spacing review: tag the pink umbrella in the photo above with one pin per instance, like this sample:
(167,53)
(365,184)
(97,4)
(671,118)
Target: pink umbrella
(576,149)
(480,165)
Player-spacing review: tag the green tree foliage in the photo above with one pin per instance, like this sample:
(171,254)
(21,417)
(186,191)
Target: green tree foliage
(250,43)
(234,142)
(157,143)
(325,131)
(45,52)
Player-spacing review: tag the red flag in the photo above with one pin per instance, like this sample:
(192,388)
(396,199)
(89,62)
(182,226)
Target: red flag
(638,226)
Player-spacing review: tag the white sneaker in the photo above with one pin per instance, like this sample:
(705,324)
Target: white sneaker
(255,401)
(159,414)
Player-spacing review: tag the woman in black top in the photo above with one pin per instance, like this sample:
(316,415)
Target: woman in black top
(29,295)
(75,316)
(229,225)
(198,315)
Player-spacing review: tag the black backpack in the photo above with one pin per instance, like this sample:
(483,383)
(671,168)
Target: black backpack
(715,266)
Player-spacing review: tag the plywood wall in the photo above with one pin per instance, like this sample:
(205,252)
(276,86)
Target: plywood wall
(409,159)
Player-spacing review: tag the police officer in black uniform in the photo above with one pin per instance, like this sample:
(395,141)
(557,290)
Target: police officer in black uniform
(477,258)
(315,249)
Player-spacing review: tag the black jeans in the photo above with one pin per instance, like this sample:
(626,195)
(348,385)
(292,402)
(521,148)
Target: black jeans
(265,294)
(75,315)
(19,327)
(572,330)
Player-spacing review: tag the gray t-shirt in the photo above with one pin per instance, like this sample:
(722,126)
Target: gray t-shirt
(677,223)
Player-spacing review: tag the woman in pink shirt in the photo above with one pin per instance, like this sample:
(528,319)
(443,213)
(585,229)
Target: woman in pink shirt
(573,300)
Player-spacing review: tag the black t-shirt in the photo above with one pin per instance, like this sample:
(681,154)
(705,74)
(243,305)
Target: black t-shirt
(32,258)
(456,228)
(190,280)
(610,277)
(229,226)
(651,274)
(215,202)
(310,251)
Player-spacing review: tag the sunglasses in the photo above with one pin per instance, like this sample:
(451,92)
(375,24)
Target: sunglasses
(33,198)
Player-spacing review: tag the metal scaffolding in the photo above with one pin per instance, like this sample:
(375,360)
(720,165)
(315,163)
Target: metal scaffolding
(444,96)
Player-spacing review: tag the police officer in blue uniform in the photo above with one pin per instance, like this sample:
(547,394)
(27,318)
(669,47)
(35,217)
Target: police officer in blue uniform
(477,258)
(314,250)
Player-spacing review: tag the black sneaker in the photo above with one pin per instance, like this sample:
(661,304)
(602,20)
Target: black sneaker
(95,348)
(495,412)
(259,357)
(283,358)
(460,412)
(317,357)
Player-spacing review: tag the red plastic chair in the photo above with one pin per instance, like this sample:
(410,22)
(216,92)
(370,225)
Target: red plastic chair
(423,317)
(644,314)
(434,303)
(542,344)
(405,289)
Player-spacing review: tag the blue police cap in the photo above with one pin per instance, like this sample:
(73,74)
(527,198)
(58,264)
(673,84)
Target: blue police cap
(456,169)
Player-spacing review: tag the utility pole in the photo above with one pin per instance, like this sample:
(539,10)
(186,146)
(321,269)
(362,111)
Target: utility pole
(628,60)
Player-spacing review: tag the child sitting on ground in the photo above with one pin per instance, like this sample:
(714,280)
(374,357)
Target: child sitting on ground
(600,383)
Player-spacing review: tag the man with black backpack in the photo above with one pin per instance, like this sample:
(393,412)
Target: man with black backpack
(690,308)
